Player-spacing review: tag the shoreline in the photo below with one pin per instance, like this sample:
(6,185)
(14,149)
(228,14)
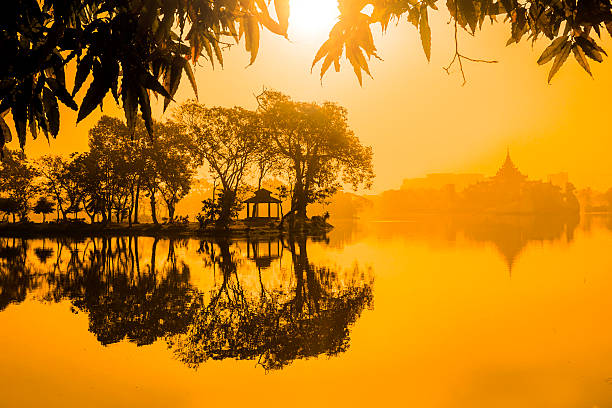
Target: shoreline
(190,230)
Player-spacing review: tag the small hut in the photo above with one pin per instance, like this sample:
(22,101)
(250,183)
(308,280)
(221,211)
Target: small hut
(263,196)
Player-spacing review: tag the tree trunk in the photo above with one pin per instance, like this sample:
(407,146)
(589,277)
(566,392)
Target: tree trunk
(136,202)
(153,253)
(171,210)
(153,212)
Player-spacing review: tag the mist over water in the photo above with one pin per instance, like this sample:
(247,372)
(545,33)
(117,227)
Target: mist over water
(441,311)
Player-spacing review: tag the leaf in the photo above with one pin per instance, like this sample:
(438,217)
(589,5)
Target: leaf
(326,64)
(62,93)
(252,37)
(272,25)
(130,103)
(581,58)
(83,68)
(172,78)
(559,60)
(95,94)
(5,133)
(191,77)
(32,124)
(356,59)
(282,9)
(19,118)
(209,52)
(320,53)
(51,111)
(551,50)
(590,48)
(150,82)
(467,9)
(217,49)
(145,109)
(425,32)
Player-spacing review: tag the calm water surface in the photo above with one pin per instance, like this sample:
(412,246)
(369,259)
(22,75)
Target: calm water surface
(488,312)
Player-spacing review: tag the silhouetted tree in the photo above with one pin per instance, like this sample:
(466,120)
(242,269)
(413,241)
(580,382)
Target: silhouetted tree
(18,181)
(173,164)
(318,149)
(43,206)
(53,170)
(9,206)
(226,139)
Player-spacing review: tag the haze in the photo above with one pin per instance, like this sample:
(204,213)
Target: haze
(417,118)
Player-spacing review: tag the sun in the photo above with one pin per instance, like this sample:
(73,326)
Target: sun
(312,19)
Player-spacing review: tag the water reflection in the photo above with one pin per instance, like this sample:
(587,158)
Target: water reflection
(304,310)
(509,234)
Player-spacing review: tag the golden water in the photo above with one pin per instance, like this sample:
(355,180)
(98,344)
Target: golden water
(489,312)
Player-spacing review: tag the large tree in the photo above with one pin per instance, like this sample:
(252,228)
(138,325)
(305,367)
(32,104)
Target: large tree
(18,181)
(319,151)
(130,47)
(43,206)
(173,164)
(226,139)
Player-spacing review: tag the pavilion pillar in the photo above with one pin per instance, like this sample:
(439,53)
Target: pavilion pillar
(269,213)
(247,211)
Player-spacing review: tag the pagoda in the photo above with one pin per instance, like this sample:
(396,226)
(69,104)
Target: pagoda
(508,172)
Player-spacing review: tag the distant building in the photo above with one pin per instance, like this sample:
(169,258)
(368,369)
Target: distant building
(559,179)
(508,173)
(440,180)
(509,191)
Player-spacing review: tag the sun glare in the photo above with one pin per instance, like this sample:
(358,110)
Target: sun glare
(312,18)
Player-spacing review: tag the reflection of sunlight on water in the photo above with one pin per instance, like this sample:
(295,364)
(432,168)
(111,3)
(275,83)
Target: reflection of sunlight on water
(450,327)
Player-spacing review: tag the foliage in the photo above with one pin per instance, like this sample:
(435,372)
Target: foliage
(173,164)
(134,47)
(226,139)
(318,150)
(18,181)
(569,25)
(128,48)
(9,206)
(43,206)
(120,165)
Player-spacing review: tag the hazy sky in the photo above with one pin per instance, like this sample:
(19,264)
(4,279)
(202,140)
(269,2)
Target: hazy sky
(417,118)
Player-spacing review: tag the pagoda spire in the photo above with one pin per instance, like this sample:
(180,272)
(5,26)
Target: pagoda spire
(508,170)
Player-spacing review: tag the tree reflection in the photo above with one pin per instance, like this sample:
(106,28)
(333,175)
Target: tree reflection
(274,326)
(129,297)
(122,301)
(16,279)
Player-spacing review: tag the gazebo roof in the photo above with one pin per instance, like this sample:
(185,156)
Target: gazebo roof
(262,196)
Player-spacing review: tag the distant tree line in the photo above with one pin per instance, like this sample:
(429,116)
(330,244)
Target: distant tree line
(307,147)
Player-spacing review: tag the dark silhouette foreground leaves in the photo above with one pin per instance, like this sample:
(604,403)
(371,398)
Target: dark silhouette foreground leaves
(132,48)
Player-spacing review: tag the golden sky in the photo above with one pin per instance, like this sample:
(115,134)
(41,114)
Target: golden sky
(417,118)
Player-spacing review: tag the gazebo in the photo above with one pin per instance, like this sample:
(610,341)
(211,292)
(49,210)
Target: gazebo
(263,196)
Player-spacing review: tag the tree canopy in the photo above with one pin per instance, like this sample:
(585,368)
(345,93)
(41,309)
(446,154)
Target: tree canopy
(130,48)
(316,147)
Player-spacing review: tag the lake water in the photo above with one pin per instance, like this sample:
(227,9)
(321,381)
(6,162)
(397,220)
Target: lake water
(428,312)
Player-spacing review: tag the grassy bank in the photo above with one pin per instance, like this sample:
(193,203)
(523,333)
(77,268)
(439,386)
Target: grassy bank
(239,229)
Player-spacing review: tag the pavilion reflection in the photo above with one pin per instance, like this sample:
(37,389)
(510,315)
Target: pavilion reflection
(264,251)
(130,291)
